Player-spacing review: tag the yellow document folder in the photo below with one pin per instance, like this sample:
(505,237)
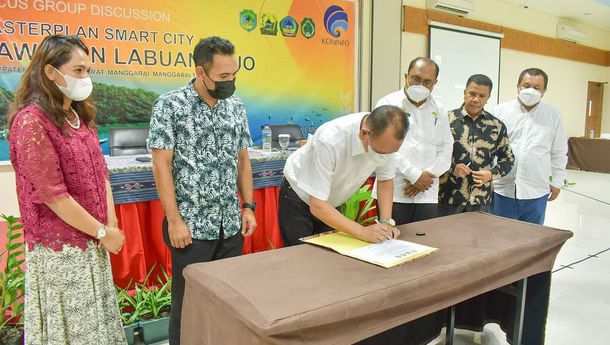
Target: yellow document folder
(386,254)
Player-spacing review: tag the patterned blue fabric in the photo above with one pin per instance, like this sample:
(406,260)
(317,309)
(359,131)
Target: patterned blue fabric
(139,185)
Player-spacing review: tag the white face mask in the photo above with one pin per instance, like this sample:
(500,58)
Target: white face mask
(374,156)
(77,89)
(417,93)
(529,96)
(370,152)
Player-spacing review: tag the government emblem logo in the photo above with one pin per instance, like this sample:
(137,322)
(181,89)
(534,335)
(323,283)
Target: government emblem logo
(247,20)
(308,28)
(268,24)
(289,27)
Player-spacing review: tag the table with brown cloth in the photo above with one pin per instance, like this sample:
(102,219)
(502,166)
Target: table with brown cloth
(589,154)
(311,295)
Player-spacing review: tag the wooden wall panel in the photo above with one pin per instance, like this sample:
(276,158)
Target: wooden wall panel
(416,21)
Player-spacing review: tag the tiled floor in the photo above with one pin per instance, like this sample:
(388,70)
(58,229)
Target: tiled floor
(580,295)
(579,311)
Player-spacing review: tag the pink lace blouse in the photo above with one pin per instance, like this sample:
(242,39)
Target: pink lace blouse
(50,165)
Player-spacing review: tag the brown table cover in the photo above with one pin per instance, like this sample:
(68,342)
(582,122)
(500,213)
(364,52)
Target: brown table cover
(311,295)
(589,154)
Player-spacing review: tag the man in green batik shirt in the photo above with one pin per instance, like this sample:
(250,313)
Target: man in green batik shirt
(199,139)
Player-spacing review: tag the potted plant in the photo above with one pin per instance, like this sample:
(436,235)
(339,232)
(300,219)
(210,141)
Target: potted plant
(12,284)
(352,210)
(153,304)
(129,311)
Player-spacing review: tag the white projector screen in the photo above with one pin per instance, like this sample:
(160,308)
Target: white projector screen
(461,52)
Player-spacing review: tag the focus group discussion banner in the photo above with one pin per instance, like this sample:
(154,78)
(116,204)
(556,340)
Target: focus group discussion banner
(296,57)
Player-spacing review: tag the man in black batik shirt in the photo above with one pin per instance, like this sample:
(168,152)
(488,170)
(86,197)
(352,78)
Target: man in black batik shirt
(481,152)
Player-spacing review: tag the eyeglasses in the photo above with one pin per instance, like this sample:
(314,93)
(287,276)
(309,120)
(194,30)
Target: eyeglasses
(415,80)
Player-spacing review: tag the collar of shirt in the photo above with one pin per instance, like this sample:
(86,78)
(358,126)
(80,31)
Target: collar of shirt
(463,114)
(524,110)
(191,92)
(357,144)
(407,105)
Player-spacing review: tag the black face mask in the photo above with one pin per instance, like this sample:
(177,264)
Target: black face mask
(222,89)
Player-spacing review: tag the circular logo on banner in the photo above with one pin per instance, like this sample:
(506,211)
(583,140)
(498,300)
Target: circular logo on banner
(247,20)
(289,27)
(334,18)
(268,24)
(308,28)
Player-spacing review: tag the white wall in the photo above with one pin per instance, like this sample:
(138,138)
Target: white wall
(513,16)
(567,79)
(567,89)
(380,55)
(385,67)
(8,194)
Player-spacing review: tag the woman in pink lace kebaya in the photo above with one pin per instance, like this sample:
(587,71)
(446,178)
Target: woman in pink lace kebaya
(65,201)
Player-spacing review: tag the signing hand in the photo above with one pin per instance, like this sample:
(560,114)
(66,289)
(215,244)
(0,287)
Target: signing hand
(248,222)
(179,234)
(114,239)
(376,233)
(461,170)
(481,177)
(395,233)
(554,193)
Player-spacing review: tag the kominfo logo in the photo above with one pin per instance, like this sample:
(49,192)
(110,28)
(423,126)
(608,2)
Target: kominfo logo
(335,18)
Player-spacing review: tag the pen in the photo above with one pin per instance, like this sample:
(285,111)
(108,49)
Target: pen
(377,221)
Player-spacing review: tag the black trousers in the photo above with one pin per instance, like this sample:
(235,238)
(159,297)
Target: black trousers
(426,328)
(404,213)
(536,308)
(497,306)
(446,209)
(198,251)
(295,218)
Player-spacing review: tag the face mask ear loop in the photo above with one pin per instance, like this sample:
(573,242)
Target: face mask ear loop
(210,92)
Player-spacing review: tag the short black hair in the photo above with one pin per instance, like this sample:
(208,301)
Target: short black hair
(534,72)
(388,115)
(208,47)
(424,59)
(480,79)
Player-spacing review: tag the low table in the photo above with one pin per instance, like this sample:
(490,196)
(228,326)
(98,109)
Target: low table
(310,295)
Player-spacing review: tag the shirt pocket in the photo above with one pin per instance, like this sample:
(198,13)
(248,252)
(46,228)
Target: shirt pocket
(540,141)
(429,132)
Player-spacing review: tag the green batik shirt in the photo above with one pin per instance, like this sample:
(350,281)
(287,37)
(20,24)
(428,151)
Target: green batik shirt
(478,144)
(205,143)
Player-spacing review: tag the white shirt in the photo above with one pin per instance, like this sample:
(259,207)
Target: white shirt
(427,146)
(334,164)
(539,144)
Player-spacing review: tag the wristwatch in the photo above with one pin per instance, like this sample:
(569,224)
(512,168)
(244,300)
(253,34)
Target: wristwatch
(251,205)
(388,221)
(101,232)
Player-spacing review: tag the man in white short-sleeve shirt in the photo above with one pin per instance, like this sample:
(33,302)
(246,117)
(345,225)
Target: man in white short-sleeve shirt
(426,153)
(331,167)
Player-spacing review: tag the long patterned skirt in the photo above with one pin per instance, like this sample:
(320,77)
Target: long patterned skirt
(70,298)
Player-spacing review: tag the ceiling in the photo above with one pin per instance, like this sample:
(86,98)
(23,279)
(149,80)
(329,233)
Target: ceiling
(595,13)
